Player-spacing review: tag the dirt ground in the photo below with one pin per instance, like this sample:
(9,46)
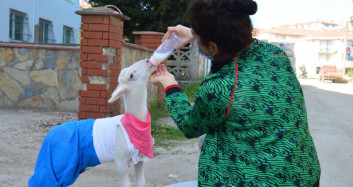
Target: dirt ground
(22,134)
(330,118)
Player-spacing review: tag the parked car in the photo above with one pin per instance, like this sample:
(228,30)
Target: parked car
(330,72)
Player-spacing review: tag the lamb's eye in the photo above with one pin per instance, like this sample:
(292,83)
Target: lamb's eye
(131,76)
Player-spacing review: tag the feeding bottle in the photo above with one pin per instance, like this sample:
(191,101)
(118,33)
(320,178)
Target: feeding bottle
(165,49)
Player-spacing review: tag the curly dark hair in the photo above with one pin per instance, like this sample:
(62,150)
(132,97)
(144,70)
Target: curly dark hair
(225,22)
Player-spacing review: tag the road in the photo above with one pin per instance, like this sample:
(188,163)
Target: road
(330,117)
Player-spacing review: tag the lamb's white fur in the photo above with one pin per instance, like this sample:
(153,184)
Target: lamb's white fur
(133,87)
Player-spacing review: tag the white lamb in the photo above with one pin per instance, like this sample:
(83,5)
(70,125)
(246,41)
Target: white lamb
(69,148)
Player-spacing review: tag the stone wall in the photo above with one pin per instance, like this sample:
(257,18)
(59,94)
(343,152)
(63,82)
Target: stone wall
(49,77)
(39,77)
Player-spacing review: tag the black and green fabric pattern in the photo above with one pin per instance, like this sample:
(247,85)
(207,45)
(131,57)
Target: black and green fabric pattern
(266,139)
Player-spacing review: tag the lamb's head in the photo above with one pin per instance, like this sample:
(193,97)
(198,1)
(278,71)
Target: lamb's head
(133,78)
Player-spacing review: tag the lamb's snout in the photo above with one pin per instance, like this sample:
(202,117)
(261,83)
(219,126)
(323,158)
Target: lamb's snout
(152,67)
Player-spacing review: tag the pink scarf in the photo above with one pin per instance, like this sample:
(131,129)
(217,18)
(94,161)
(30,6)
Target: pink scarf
(139,133)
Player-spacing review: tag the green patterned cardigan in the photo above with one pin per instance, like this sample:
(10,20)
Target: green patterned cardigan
(266,139)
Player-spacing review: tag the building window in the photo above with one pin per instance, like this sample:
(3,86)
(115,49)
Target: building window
(68,35)
(19,27)
(47,35)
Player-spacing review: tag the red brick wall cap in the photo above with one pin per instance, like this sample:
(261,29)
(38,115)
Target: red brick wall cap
(138,47)
(103,11)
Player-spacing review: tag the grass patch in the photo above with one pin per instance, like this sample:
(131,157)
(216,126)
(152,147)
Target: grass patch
(166,135)
(190,90)
(160,132)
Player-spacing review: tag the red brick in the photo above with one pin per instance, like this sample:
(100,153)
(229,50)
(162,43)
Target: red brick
(106,20)
(84,71)
(96,57)
(98,42)
(97,72)
(92,19)
(117,59)
(116,21)
(87,34)
(112,86)
(119,52)
(96,101)
(82,100)
(100,87)
(91,64)
(84,79)
(85,27)
(114,66)
(83,56)
(114,73)
(106,109)
(151,40)
(105,35)
(104,94)
(89,93)
(95,115)
(89,108)
(84,42)
(98,27)
(116,36)
(81,115)
(89,49)
(115,44)
(115,29)
(112,80)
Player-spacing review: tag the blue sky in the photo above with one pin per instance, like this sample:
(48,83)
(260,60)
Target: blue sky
(278,12)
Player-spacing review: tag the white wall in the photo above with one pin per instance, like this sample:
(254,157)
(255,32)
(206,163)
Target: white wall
(307,52)
(59,12)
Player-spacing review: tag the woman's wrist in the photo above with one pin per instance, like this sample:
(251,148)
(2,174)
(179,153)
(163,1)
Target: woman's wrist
(169,82)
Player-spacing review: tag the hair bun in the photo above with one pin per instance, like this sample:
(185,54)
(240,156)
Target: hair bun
(248,7)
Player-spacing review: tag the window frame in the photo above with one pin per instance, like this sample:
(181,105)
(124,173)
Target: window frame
(68,35)
(46,31)
(13,23)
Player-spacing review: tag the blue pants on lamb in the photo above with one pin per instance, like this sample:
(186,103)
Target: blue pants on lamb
(67,151)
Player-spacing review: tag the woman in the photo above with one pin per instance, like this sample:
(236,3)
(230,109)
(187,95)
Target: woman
(251,104)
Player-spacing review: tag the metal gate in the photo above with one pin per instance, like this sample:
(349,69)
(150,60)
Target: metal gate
(186,65)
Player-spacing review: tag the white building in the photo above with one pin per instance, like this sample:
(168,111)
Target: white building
(315,25)
(324,44)
(57,19)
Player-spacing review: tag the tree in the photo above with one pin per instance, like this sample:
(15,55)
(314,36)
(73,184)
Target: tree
(149,15)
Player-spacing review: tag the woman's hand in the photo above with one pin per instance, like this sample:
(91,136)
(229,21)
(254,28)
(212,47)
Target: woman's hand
(183,32)
(163,77)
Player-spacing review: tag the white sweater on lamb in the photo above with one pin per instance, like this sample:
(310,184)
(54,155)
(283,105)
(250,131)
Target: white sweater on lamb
(104,140)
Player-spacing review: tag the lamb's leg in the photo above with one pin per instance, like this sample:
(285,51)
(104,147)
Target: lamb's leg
(122,158)
(141,182)
(122,169)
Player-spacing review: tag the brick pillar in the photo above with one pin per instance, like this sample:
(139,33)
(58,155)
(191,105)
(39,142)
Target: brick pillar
(101,48)
(151,40)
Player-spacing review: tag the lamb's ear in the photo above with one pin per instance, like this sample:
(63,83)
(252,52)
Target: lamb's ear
(118,92)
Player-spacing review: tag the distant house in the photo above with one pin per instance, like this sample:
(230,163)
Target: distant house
(47,21)
(315,44)
(315,25)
